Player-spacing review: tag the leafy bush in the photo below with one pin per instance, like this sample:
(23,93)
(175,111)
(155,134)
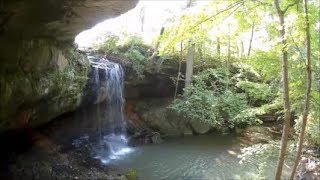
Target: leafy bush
(312,135)
(137,60)
(135,56)
(267,64)
(132,174)
(201,105)
(128,48)
(136,43)
(257,93)
(209,100)
(213,79)
(110,44)
(235,108)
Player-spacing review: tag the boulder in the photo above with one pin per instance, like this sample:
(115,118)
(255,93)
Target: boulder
(154,114)
(156,138)
(200,127)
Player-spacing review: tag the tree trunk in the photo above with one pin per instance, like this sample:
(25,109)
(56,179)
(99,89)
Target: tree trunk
(142,15)
(229,51)
(189,65)
(218,46)
(156,47)
(285,92)
(241,49)
(251,38)
(179,71)
(218,43)
(308,89)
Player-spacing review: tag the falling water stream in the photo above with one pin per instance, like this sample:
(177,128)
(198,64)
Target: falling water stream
(108,79)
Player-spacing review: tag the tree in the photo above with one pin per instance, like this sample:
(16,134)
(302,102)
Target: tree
(179,71)
(285,88)
(189,64)
(142,18)
(251,38)
(308,89)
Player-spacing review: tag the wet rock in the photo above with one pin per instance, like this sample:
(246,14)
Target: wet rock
(187,131)
(154,114)
(156,138)
(200,127)
(146,136)
(155,84)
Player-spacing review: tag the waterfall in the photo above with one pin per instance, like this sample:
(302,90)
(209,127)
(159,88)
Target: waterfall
(108,87)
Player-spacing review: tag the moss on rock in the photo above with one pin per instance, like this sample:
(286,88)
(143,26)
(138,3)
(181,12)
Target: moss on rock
(47,82)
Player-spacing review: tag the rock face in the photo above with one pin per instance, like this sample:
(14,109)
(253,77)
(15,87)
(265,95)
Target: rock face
(200,127)
(148,99)
(153,113)
(41,73)
(157,84)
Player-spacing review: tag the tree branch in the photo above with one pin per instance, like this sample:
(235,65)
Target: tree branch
(297,47)
(277,5)
(290,5)
(210,17)
(262,3)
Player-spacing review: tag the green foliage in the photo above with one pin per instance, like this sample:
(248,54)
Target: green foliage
(266,63)
(201,105)
(132,174)
(67,81)
(110,44)
(135,56)
(275,107)
(215,95)
(137,60)
(209,100)
(130,49)
(213,79)
(235,109)
(312,134)
(257,93)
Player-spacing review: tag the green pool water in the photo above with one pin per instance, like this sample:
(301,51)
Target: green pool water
(195,158)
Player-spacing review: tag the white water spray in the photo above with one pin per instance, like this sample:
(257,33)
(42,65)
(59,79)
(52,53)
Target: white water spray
(110,76)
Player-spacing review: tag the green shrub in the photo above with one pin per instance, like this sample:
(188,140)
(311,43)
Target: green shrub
(209,99)
(267,64)
(110,44)
(213,79)
(128,48)
(201,105)
(312,134)
(257,93)
(235,109)
(132,174)
(135,56)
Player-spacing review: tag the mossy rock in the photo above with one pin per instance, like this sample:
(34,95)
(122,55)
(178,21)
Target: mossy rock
(48,82)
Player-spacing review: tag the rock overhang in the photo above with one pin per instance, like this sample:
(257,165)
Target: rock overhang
(36,56)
